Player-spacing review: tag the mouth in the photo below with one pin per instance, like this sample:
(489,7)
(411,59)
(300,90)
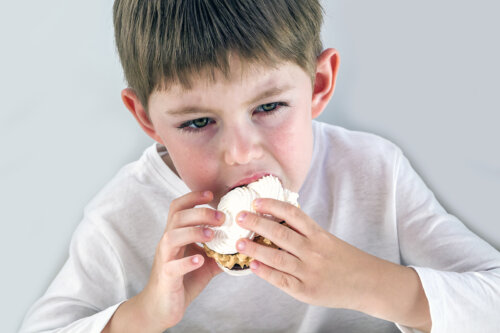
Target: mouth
(251,179)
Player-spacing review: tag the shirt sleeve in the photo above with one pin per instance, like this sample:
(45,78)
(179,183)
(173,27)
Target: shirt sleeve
(459,271)
(86,292)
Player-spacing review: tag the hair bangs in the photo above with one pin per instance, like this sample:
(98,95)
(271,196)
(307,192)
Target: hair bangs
(174,42)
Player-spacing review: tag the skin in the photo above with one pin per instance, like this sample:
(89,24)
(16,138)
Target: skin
(241,136)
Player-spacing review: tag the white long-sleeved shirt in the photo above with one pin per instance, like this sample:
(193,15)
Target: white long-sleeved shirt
(360,187)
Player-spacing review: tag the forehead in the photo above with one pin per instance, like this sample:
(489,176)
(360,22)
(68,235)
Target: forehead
(243,78)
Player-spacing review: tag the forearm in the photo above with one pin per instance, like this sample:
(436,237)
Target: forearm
(395,293)
(129,317)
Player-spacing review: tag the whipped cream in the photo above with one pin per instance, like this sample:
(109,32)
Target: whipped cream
(240,199)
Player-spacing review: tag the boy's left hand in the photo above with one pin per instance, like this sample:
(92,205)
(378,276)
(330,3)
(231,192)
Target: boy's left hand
(312,265)
(318,268)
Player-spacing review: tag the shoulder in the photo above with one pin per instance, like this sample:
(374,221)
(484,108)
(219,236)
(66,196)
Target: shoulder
(352,172)
(138,194)
(344,146)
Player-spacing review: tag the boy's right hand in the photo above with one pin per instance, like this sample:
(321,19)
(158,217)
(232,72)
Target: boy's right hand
(181,269)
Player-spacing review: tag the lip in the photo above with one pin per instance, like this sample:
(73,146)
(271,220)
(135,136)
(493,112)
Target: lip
(252,178)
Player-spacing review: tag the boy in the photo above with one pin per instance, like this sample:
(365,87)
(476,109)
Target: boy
(228,90)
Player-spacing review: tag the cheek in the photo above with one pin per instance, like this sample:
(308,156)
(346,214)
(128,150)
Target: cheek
(193,161)
(196,168)
(292,147)
(284,143)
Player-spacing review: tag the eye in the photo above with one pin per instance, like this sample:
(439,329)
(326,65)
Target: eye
(269,106)
(270,109)
(200,122)
(195,124)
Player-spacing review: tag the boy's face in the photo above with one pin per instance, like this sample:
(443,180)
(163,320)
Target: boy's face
(230,132)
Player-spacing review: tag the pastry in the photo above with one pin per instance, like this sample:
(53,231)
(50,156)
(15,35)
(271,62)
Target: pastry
(223,245)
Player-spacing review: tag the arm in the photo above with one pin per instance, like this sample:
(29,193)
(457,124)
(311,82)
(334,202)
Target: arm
(395,285)
(320,269)
(87,290)
(129,317)
(93,278)
(460,272)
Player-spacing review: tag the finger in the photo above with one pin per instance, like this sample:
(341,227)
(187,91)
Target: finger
(294,216)
(178,268)
(195,217)
(278,259)
(277,233)
(173,240)
(286,282)
(189,200)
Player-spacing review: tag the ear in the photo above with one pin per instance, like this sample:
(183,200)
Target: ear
(324,83)
(135,107)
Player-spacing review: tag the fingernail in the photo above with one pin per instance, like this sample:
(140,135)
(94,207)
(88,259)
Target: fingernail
(242,216)
(254,265)
(218,215)
(207,232)
(257,203)
(206,194)
(195,259)
(241,245)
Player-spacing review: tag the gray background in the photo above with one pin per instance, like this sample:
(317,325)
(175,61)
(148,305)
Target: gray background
(424,74)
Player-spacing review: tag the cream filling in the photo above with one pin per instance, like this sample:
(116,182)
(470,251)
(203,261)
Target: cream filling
(240,199)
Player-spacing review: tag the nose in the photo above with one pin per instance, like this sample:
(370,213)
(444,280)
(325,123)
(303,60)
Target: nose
(241,145)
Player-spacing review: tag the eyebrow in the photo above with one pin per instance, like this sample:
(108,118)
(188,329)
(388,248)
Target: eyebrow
(190,109)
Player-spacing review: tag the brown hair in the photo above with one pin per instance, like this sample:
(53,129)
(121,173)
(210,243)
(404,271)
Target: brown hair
(164,41)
